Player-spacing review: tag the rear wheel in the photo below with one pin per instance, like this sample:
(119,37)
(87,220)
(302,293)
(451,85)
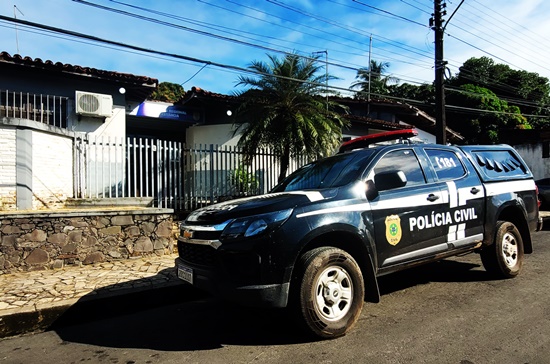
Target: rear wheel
(504,258)
(331,292)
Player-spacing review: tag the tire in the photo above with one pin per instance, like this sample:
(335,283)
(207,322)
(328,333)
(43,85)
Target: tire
(504,258)
(331,292)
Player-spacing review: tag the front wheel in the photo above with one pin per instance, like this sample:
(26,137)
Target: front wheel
(504,258)
(331,292)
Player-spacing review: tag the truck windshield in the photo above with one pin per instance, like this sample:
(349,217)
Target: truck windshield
(335,171)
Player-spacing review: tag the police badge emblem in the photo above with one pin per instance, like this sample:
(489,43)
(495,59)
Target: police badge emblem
(393,229)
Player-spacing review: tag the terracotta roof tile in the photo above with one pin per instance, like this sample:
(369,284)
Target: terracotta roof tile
(76,69)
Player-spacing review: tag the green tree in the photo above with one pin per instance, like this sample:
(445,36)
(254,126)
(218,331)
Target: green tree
(373,75)
(424,94)
(526,90)
(168,92)
(482,127)
(284,110)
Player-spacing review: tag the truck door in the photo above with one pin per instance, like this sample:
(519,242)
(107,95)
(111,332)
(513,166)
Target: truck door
(463,195)
(408,220)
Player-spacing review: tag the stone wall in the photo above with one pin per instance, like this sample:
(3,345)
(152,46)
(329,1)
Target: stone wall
(34,241)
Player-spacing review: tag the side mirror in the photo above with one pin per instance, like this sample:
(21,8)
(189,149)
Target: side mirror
(371,191)
(390,180)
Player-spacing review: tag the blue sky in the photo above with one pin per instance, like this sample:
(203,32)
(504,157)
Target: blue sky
(509,31)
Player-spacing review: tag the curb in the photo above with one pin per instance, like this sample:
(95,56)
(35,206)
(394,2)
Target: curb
(92,307)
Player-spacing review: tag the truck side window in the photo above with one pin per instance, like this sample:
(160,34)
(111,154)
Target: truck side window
(446,164)
(402,160)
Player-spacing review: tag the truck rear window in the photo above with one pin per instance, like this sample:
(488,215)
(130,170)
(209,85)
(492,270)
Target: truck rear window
(499,164)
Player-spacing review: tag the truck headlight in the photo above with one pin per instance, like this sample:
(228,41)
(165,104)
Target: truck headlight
(254,225)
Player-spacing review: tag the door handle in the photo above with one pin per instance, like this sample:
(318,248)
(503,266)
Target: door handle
(474,190)
(432,197)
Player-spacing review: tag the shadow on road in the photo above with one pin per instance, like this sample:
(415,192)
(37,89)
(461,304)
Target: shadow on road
(180,318)
(176,318)
(441,271)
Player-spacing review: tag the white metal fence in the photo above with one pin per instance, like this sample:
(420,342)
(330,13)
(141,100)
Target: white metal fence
(173,175)
(47,109)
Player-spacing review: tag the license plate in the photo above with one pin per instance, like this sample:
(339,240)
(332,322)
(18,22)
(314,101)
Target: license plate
(185,273)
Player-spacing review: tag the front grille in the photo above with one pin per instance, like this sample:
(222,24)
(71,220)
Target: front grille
(206,235)
(197,254)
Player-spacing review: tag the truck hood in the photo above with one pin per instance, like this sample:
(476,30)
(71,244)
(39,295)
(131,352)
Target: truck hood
(256,205)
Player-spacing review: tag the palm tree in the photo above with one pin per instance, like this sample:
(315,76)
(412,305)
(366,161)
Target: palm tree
(378,82)
(283,110)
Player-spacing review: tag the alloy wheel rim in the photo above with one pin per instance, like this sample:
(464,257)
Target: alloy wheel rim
(510,250)
(333,293)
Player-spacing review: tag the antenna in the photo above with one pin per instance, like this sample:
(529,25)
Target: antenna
(15,17)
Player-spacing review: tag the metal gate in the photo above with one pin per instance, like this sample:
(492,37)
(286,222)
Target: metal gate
(173,175)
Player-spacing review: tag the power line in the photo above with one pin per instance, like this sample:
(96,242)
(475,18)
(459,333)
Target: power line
(418,8)
(498,46)
(481,24)
(224,38)
(508,20)
(482,50)
(176,17)
(481,111)
(141,17)
(239,69)
(390,13)
(161,53)
(207,25)
(157,21)
(514,101)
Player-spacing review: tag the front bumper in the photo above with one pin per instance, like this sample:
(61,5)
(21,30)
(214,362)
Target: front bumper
(221,284)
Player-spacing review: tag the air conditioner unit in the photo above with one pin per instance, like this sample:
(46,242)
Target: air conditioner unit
(92,104)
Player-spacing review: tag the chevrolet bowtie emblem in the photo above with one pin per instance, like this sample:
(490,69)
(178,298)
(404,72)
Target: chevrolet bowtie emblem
(187,234)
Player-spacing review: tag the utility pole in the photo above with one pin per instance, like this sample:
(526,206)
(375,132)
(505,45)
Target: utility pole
(436,23)
(370,71)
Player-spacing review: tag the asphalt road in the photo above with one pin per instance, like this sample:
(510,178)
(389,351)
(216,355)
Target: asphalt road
(447,312)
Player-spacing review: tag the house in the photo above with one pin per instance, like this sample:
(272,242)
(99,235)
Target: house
(110,142)
(384,114)
(201,125)
(213,116)
(46,109)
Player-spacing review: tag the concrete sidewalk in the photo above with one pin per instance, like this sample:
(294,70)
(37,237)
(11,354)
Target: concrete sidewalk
(32,301)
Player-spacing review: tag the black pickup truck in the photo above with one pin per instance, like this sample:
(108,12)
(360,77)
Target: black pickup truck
(318,241)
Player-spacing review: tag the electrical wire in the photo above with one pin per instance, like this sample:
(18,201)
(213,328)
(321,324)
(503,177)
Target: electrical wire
(141,17)
(271,49)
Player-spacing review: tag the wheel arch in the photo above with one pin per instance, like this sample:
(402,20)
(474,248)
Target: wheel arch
(517,217)
(353,245)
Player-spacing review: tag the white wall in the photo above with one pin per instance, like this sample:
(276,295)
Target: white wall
(423,135)
(532,154)
(7,167)
(211,134)
(52,169)
(114,126)
(52,174)
(222,135)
